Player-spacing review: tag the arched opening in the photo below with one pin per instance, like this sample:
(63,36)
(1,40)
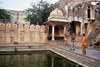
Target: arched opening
(58,32)
(88,12)
(73,27)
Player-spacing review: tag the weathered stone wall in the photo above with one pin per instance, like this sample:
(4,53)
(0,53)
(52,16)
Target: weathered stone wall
(11,33)
(94,36)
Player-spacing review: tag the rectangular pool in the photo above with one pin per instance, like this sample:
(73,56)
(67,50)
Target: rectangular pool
(34,59)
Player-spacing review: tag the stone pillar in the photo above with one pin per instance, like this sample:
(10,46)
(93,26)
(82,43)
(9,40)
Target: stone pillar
(65,32)
(5,34)
(81,28)
(66,10)
(52,62)
(93,13)
(77,29)
(89,29)
(53,27)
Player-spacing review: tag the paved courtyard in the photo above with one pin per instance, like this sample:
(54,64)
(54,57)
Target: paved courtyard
(90,52)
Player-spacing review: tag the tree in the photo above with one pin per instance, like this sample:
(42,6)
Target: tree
(4,15)
(39,12)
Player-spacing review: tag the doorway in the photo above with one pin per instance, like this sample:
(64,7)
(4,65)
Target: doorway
(73,27)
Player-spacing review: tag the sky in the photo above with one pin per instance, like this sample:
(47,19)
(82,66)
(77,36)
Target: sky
(19,4)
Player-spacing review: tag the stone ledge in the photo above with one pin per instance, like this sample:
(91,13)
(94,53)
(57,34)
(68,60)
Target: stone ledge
(77,58)
(74,57)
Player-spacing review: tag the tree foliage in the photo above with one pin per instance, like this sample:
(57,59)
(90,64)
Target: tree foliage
(4,15)
(39,12)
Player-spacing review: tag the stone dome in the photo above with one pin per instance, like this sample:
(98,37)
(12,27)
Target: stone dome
(56,13)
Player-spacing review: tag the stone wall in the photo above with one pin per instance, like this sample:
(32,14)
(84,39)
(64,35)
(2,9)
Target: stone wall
(22,33)
(94,36)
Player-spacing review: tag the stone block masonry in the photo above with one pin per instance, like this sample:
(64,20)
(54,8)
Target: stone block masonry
(22,33)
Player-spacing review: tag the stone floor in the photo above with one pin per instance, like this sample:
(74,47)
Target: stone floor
(93,53)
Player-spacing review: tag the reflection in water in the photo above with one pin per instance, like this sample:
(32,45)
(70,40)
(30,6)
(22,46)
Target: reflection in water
(35,59)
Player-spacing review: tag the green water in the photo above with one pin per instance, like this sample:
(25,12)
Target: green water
(34,59)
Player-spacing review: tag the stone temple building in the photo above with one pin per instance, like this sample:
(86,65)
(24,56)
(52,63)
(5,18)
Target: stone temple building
(80,13)
(57,24)
(72,16)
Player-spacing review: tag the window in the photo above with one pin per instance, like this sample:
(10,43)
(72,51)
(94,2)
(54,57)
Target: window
(88,12)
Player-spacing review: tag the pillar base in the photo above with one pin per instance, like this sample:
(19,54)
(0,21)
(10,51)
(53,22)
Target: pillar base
(53,39)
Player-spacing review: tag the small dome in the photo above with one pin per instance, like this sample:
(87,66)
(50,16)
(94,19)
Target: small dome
(57,15)
(56,12)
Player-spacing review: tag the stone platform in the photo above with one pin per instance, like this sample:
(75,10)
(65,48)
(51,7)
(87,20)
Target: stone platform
(92,59)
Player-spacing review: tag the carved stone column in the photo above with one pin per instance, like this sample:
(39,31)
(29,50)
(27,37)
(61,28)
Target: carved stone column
(81,28)
(53,27)
(64,31)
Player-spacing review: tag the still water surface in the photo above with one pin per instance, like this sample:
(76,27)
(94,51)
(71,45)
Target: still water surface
(34,59)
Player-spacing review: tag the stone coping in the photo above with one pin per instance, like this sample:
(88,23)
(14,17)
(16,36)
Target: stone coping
(83,60)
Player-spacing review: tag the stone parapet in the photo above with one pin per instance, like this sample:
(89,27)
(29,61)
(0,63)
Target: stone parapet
(22,33)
